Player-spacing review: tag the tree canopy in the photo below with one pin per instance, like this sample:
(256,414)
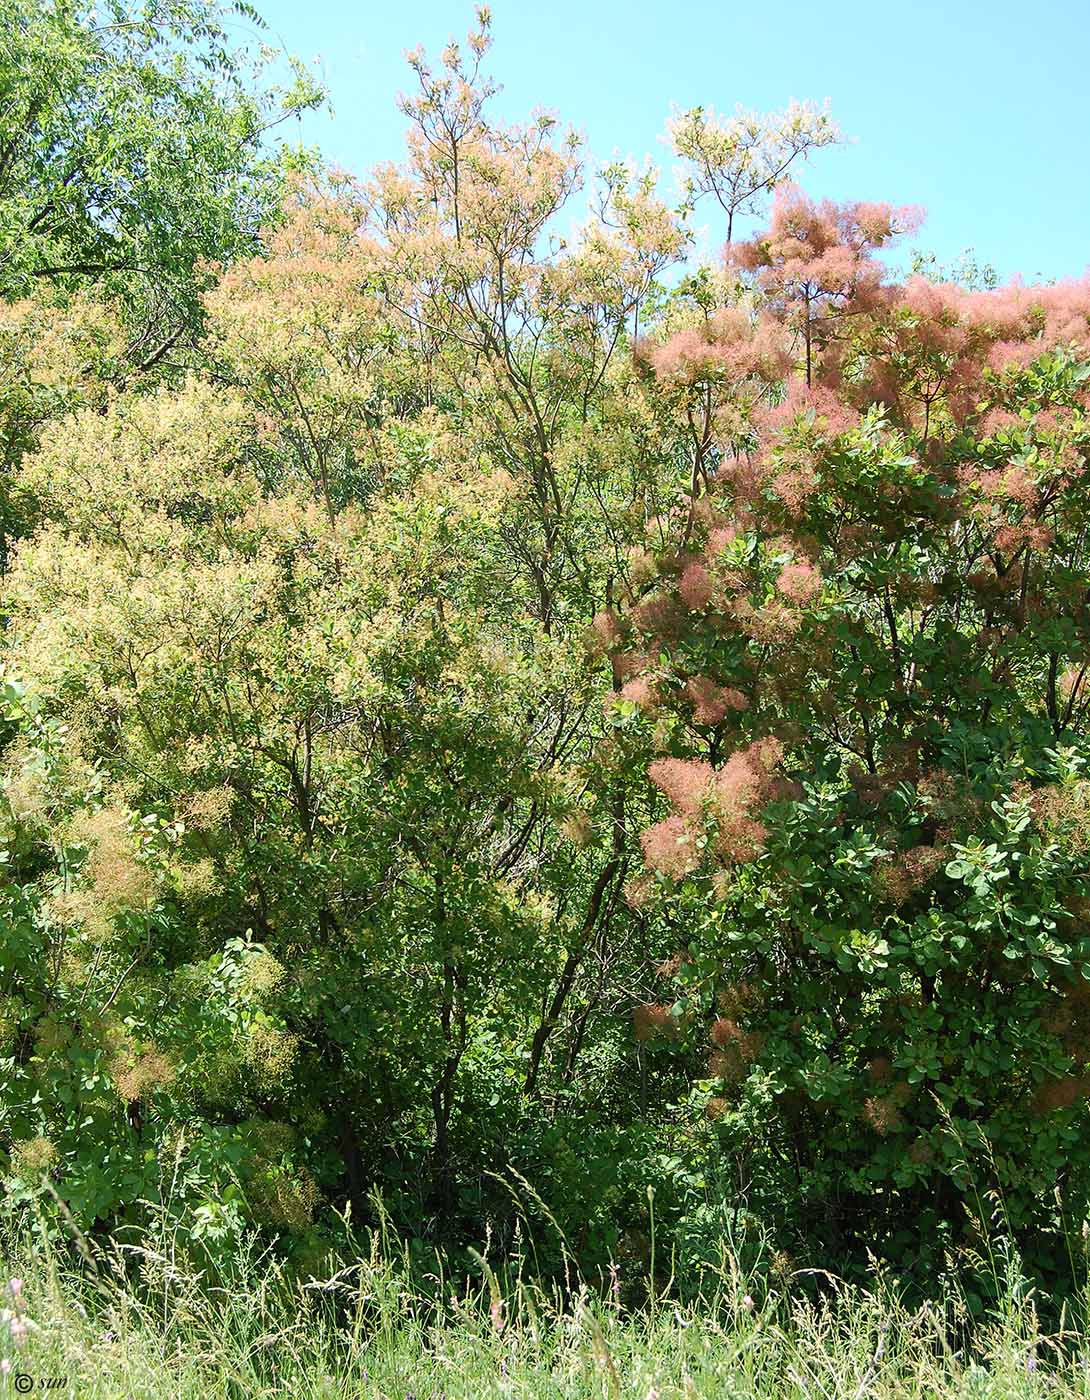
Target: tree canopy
(131,152)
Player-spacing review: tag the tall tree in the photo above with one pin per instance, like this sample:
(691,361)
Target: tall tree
(133,154)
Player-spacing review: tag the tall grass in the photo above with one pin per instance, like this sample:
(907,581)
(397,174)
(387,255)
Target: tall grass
(137,1321)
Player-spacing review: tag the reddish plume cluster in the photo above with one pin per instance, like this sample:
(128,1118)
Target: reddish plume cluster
(778,381)
(727,798)
(712,703)
(735,1049)
(816,405)
(931,351)
(799,582)
(652,1020)
(882,1112)
(914,347)
(669,848)
(695,587)
(729,345)
(1069,1019)
(743,786)
(816,261)
(910,871)
(685,783)
(1054,1094)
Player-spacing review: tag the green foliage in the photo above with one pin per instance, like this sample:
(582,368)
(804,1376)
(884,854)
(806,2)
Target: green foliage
(130,153)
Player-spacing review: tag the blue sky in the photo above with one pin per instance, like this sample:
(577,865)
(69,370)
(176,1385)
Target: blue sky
(977,109)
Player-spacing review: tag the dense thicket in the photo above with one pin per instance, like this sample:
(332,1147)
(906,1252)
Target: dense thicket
(538,726)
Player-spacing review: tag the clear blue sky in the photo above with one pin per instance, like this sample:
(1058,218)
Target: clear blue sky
(977,109)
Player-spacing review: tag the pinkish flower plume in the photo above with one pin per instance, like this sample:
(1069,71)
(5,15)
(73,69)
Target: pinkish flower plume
(712,702)
(799,582)
(683,782)
(695,587)
(668,848)
(641,692)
